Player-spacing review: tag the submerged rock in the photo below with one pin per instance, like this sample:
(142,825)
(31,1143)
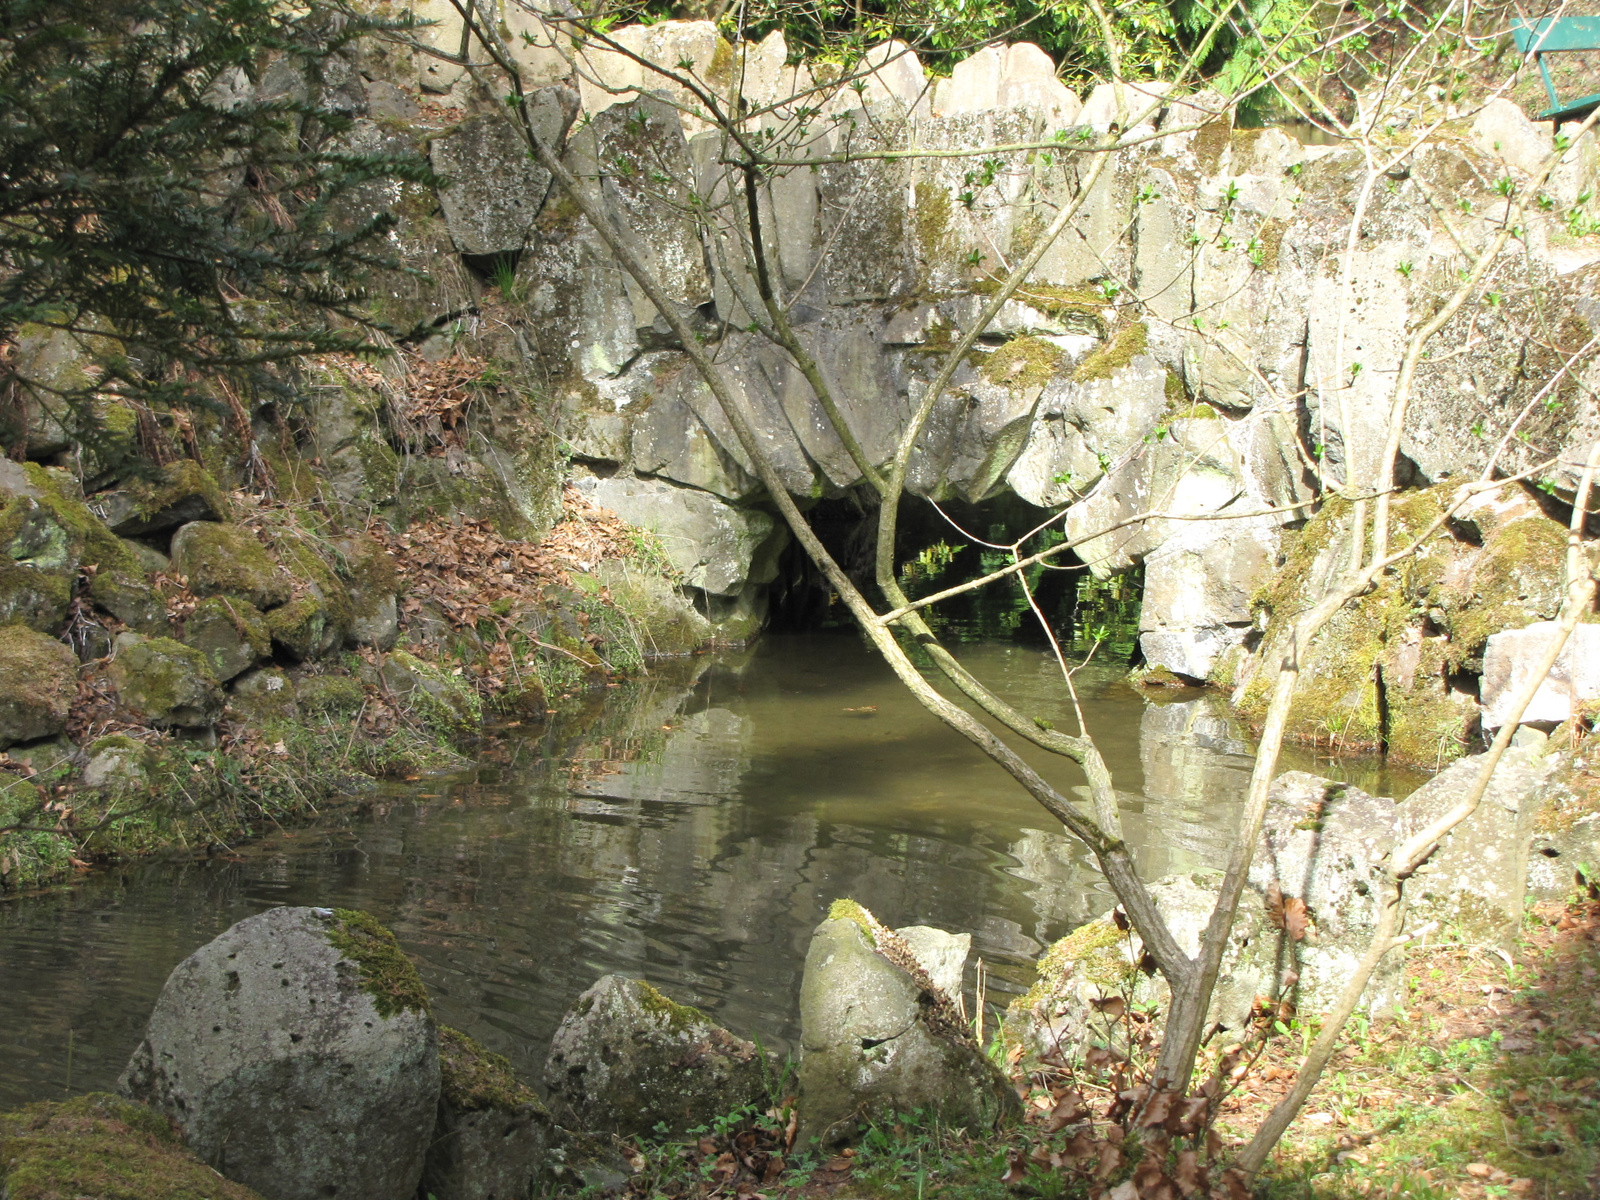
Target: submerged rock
(102,1147)
(626,1059)
(297,1054)
(493,1132)
(878,1037)
(38,680)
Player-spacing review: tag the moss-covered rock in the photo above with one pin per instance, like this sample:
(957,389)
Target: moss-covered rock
(493,1131)
(373,582)
(184,492)
(330,695)
(300,628)
(439,698)
(169,683)
(29,857)
(101,1147)
(117,763)
(38,682)
(387,975)
(228,560)
(230,632)
(264,695)
(626,1058)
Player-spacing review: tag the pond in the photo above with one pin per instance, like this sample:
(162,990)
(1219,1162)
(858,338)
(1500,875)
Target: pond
(692,829)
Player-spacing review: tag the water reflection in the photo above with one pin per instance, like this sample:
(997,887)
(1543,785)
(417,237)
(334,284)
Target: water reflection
(692,830)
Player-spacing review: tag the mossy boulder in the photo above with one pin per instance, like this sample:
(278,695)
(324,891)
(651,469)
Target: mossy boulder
(301,628)
(373,583)
(184,492)
(329,695)
(117,763)
(29,858)
(493,1131)
(101,1147)
(228,560)
(169,683)
(626,1058)
(297,1054)
(439,698)
(230,632)
(264,695)
(38,682)
(321,611)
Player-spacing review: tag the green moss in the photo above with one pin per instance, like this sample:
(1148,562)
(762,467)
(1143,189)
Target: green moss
(1210,140)
(104,1147)
(1094,951)
(1516,580)
(228,560)
(678,1017)
(387,975)
(1081,307)
(472,1079)
(1022,363)
(931,223)
(719,74)
(1129,342)
(1155,677)
(114,741)
(335,695)
(1175,391)
(1195,412)
(298,626)
(180,481)
(848,910)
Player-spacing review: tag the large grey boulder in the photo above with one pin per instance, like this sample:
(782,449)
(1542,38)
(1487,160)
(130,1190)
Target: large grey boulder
(878,1037)
(493,1132)
(297,1054)
(626,1059)
(38,681)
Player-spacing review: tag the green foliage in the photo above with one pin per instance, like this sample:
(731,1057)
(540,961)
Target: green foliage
(164,209)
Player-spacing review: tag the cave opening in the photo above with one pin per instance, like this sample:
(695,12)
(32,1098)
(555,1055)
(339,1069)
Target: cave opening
(939,546)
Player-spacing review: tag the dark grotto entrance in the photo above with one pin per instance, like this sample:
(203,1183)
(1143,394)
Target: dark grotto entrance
(939,546)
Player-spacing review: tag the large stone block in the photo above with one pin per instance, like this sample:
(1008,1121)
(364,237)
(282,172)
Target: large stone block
(1511,658)
(38,681)
(297,1054)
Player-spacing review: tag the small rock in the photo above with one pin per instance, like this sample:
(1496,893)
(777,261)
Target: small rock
(626,1058)
(264,695)
(335,695)
(297,1054)
(38,681)
(169,683)
(493,1132)
(1510,658)
(117,763)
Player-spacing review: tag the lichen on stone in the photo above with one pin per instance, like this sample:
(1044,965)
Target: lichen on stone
(472,1079)
(387,975)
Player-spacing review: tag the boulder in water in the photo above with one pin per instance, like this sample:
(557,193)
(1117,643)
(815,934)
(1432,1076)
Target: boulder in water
(626,1059)
(298,1055)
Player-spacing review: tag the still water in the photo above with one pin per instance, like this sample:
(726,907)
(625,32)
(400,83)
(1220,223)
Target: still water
(691,831)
